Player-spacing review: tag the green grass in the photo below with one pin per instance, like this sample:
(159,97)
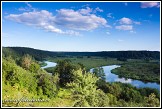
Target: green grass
(133,68)
(91,62)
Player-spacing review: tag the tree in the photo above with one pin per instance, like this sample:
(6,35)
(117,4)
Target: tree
(99,72)
(48,84)
(26,61)
(152,101)
(121,59)
(115,89)
(83,88)
(34,67)
(64,69)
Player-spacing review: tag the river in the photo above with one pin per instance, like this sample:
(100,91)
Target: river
(49,64)
(110,77)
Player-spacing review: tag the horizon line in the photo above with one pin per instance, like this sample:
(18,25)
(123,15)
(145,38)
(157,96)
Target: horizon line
(78,51)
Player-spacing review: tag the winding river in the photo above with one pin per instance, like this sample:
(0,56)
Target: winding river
(49,64)
(110,77)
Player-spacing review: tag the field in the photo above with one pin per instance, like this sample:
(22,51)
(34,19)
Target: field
(89,63)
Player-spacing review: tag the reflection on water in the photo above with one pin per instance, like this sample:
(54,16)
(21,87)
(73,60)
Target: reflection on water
(123,80)
(49,64)
(110,77)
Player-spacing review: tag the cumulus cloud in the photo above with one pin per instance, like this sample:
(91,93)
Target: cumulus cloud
(128,21)
(85,11)
(76,20)
(126,24)
(31,18)
(67,19)
(42,19)
(125,20)
(150,4)
(124,27)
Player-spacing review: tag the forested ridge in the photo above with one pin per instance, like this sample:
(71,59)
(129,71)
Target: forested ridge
(40,54)
(70,85)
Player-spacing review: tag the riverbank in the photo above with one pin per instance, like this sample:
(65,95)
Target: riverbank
(144,71)
(89,62)
(111,77)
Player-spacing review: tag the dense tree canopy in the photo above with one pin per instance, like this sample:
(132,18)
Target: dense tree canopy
(40,54)
(69,85)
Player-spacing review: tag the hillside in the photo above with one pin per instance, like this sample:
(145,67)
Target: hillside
(41,55)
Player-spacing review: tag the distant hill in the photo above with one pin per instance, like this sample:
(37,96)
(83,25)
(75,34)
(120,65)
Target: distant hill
(41,55)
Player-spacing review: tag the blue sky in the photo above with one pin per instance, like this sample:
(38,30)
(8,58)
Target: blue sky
(82,26)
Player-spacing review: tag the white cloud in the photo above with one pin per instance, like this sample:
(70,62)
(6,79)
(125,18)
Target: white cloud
(86,5)
(71,32)
(85,11)
(150,4)
(76,20)
(109,15)
(124,27)
(125,20)
(123,80)
(126,24)
(23,9)
(42,19)
(65,19)
(98,9)
(27,8)
(29,5)
(31,18)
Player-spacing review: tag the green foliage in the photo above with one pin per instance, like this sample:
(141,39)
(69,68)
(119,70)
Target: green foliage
(152,101)
(13,74)
(26,61)
(147,91)
(89,63)
(131,95)
(48,84)
(112,100)
(99,72)
(34,67)
(64,69)
(42,64)
(80,88)
(140,70)
(122,59)
(50,70)
(83,88)
(115,89)
(40,55)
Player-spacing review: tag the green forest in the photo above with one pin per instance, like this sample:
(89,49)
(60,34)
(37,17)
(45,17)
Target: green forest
(26,84)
